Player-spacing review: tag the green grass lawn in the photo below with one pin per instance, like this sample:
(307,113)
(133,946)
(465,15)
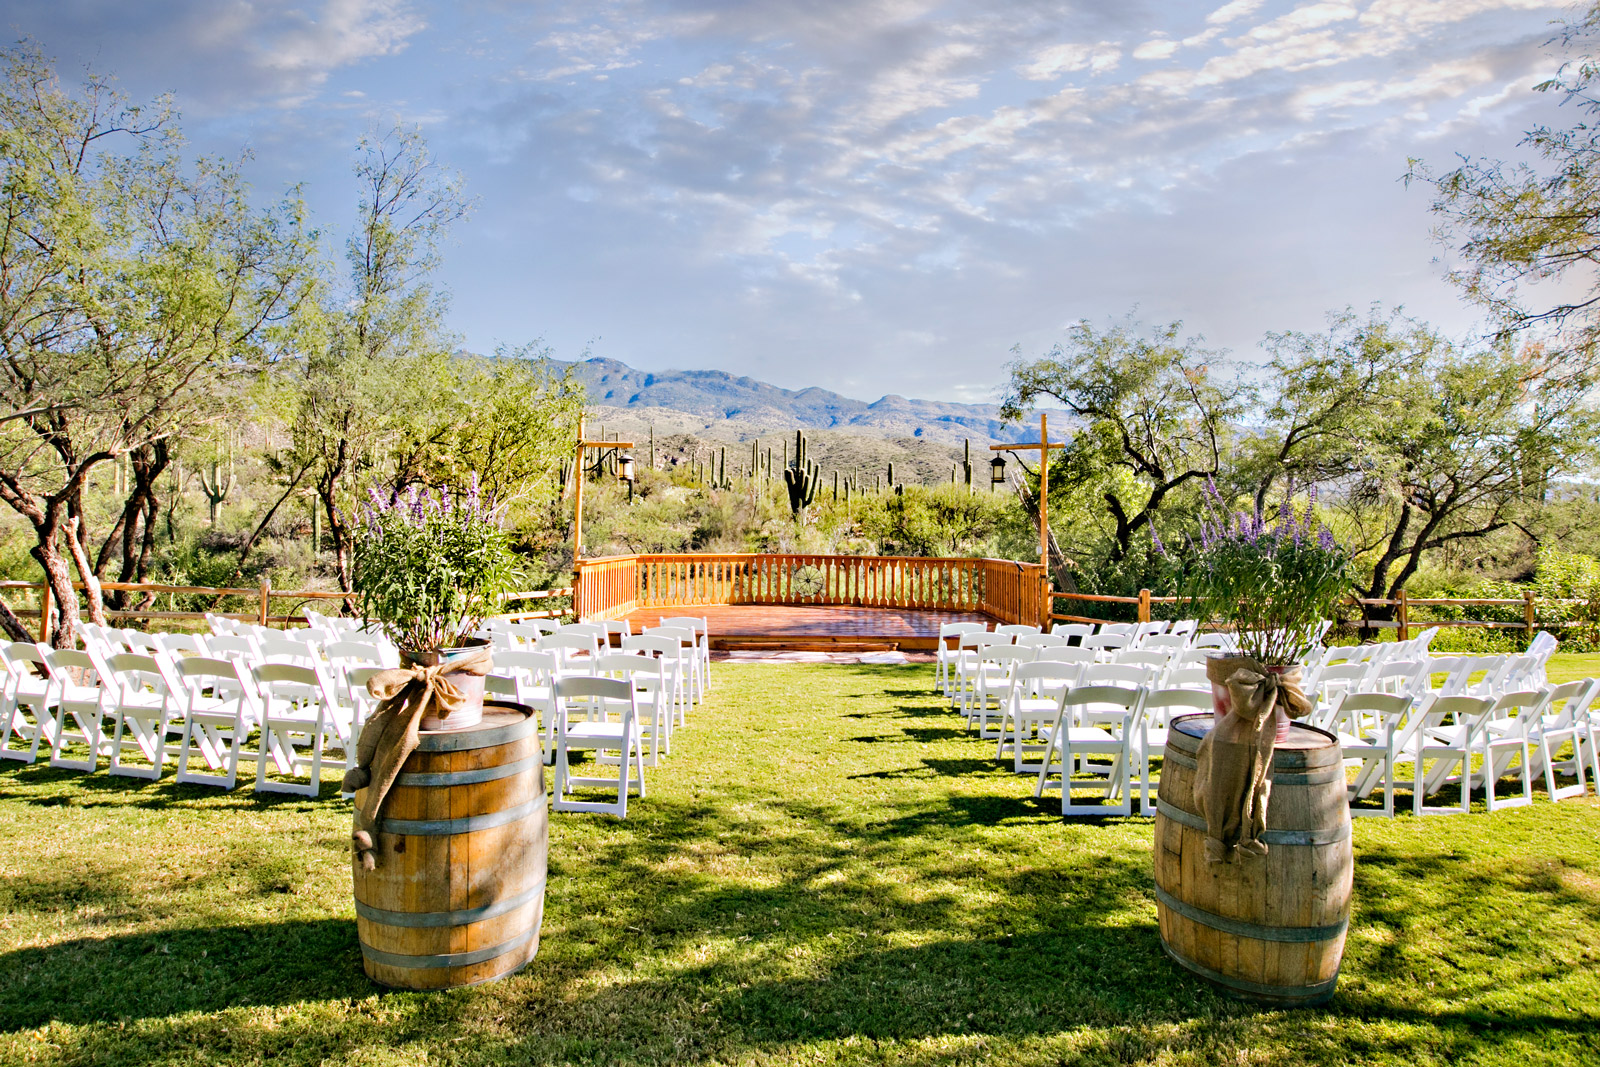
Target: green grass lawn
(829,870)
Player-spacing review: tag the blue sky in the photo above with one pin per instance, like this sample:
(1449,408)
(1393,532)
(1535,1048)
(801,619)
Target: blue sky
(871,196)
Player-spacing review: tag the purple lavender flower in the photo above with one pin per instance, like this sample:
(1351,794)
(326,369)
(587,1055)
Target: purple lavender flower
(1325,539)
(474,500)
(1155,539)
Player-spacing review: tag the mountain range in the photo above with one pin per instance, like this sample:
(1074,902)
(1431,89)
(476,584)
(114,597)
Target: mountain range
(719,405)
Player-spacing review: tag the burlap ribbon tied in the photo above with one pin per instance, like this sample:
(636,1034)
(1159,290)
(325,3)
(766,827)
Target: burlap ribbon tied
(406,694)
(1233,780)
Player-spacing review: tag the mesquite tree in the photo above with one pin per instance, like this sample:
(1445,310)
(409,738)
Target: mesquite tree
(132,285)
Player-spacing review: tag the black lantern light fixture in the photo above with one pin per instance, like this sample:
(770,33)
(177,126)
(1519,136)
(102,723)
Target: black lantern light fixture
(625,472)
(997,471)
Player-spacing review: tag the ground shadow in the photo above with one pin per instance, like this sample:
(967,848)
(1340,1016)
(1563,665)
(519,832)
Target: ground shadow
(169,972)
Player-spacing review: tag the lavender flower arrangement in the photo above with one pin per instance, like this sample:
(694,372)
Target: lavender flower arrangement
(430,567)
(1269,586)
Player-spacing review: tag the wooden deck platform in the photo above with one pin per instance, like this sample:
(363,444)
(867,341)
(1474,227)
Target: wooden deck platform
(821,629)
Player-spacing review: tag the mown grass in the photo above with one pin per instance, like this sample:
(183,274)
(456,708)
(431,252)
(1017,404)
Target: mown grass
(828,871)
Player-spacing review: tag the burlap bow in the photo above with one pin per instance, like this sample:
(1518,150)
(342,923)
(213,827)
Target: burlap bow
(406,694)
(1232,782)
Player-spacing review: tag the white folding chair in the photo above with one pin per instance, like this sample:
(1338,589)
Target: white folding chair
(1563,722)
(287,650)
(179,645)
(297,704)
(702,636)
(1016,629)
(1091,734)
(691,645)
(993,684)
(76,703)
(1447,730)
(599,734)
(1080,630)
(675,662)
(1104,644)
(1504,740)
(220,712)
(1194,678)
(1154,722)
(239,647)
(1220,642)
(25,702)
(969,653)
(533,675)
(1369,726)
(1031,703)
(145,706)
(649,676)
(945,654)
(1168,643)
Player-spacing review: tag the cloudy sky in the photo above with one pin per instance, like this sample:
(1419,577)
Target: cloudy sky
(866,195)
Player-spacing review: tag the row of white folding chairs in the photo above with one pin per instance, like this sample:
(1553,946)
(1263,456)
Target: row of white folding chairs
(1086,725)
(609,632)
(960,644)
(1470,742)
(980,678)
(1110,722)
(249,649)
(129,706)
(627,702)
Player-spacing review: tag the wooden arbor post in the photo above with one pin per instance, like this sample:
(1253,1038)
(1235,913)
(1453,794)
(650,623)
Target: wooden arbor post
(577,478)
(1043,447)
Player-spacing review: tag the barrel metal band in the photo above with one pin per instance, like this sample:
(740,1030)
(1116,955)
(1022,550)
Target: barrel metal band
(448,959)
(472,777)
(449,918)
(467,823)
(463,740)
(1302,994)
(1331,836)
(1292,934)
(1335,773)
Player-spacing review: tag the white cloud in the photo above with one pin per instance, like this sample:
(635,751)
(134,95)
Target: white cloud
(1052,62)
(342,33)
(1156,48)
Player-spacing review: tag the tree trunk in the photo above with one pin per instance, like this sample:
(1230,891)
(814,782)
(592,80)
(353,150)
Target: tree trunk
(255,535)
(13,626)
(47,552)
(80,559)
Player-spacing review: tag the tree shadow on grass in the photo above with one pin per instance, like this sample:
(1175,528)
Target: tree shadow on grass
(101,789)
(169,972)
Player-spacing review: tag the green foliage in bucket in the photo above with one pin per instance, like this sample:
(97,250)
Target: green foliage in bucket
(430,567)
(1269,586)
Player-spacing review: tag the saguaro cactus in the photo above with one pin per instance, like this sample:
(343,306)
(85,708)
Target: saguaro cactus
(801,477)
(217,480)
(966,462)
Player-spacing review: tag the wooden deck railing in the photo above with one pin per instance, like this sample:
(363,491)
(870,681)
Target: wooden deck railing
(612,587)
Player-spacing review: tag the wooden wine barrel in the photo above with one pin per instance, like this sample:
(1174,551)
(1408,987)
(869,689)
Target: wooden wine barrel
(1272,927)
(458,893)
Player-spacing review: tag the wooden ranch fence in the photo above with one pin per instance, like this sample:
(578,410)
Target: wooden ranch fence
(612,587)
(263,595)
(1401,606)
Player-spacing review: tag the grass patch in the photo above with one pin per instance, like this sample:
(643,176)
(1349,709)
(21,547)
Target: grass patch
(829,870)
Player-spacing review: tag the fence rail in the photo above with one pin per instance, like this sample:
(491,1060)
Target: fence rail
(264,594)
(1401,605)
(613,586)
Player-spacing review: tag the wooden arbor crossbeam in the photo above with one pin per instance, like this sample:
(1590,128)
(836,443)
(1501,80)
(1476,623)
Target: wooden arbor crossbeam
(577,477)
(1042,446)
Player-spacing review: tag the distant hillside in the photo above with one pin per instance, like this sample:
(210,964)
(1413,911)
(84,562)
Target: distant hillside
(718,405)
